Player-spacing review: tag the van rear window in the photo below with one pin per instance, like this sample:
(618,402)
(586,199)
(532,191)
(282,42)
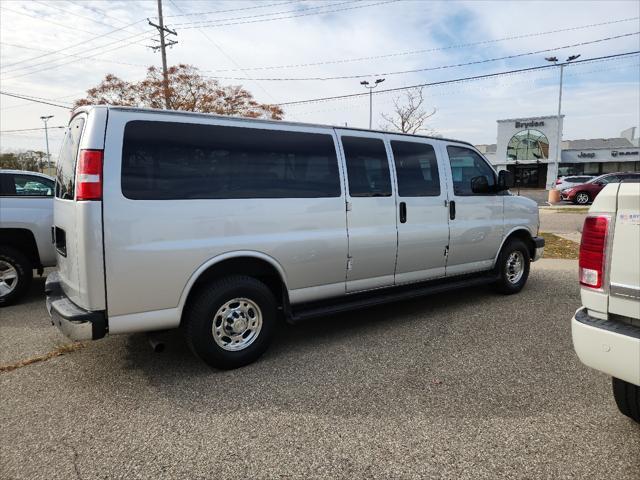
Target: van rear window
(66,173)
(171,160)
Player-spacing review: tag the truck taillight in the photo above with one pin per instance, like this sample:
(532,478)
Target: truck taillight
(89,175)
(593,251)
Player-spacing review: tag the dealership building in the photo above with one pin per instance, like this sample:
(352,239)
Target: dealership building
(527,147)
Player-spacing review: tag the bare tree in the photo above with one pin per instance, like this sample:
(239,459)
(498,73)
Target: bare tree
(408,115)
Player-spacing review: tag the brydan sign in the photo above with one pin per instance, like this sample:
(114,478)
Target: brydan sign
(529,124)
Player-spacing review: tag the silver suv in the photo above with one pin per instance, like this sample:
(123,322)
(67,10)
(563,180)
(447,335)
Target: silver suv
(221,225)
(26,217)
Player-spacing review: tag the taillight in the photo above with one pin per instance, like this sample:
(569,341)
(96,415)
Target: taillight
(593,251)
(89,175)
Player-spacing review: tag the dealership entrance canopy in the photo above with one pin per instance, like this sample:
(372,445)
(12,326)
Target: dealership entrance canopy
(527,147)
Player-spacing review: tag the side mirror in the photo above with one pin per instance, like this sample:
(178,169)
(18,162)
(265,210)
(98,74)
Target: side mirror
(505,180)
(599,183)
(480,184)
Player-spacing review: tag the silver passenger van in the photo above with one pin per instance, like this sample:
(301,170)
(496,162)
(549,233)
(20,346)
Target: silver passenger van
(222,225)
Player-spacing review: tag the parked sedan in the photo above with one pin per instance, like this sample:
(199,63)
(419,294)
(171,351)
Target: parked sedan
(566,182)
(585,193)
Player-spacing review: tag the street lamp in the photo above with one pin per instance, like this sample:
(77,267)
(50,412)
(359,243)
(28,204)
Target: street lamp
(46,137)
(371,87)
(554,60)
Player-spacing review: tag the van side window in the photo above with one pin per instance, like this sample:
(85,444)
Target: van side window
(466,164)
(367,167)
(416,168)
(171,160)
(66,174)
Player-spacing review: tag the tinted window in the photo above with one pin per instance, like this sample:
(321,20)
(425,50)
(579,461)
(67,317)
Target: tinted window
(417,169)
(466,164)
(65,176)
(609,179)
(163,160)
(31,186)
(367,167)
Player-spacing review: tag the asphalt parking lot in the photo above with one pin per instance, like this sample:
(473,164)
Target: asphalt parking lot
(468,384)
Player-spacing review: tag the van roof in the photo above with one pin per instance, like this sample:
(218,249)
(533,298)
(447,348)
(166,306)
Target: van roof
(245,119)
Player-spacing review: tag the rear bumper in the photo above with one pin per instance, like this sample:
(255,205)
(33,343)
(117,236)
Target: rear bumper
(612,347)
(72,320)
(539,251)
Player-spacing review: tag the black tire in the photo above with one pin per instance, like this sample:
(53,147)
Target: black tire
(582,198)
(627,398)
(508,283)
(24,271)
(201,314)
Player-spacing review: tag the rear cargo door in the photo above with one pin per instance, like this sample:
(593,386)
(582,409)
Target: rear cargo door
(78,224)
(624,277)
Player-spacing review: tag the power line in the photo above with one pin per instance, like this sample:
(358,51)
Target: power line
(74,56)
(34,99)
(50,67)
(456,80)
(215,44)
(217,24)
(200,14)
(426,69)
(28,129)
(75,14)
(268,14)
(429,50)
(84,42)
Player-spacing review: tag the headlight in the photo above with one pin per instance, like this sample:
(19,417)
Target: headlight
(567,190)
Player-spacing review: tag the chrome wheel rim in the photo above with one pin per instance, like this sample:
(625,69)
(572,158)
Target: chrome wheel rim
(237,324)
(514,268)
(582,198)
(8,278)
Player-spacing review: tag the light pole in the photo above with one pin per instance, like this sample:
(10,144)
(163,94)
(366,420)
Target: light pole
(556,166)
(46,137)
(371,87)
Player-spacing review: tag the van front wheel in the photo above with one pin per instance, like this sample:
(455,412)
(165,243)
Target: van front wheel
(230,322)
(512,267)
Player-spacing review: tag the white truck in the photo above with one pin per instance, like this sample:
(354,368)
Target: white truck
(606,329)
(26,218)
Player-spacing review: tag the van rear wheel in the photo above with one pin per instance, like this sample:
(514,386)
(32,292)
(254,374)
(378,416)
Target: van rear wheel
(513,267)
(231,321)
(16,273)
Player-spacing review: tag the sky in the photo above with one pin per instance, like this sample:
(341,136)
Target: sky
(56,50)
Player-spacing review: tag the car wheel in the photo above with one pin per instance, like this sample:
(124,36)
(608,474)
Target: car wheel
(16,273)
(512,267)
(627,398)
(230,322)
(582,198)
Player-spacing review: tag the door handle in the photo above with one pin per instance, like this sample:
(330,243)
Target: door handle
(403,212)
(452,210)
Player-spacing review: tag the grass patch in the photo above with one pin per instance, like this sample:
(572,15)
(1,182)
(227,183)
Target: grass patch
(558,247)
(56,352)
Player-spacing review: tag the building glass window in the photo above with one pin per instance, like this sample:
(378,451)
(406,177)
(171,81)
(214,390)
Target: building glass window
(528,145)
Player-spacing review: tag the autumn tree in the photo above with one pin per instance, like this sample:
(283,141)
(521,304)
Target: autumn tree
(187,89)
(409,115)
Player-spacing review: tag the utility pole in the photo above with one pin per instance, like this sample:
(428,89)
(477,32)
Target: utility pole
(46,138)
(556,166)
(162,30)
(370,88)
